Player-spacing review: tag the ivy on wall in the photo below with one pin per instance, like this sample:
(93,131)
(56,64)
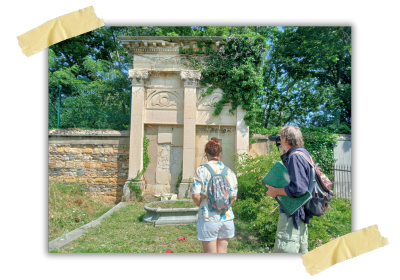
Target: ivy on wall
(133,187)
(320,143)
(236,68)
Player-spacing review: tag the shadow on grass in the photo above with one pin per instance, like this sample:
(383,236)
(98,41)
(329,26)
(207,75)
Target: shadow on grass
(140,217)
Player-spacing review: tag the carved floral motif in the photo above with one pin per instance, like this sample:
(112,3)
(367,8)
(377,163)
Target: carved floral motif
(138,76)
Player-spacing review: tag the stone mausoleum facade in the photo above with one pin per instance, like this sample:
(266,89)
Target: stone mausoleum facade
(167,106)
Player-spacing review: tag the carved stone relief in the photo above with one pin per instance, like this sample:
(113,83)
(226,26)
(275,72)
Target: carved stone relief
(190,77)
(138,76)
(205,103)
(163,99)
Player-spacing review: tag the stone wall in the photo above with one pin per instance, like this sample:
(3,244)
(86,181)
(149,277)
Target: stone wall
(97,158)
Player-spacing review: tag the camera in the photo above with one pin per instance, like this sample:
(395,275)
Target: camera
(277,140)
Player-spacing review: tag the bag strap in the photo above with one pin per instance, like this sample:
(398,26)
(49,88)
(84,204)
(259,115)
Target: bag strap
(209,169)
(224,171)
(306,157)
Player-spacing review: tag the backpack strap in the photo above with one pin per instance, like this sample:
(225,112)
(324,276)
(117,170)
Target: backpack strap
(209,169)
(225,171)
(306,157)
(311,185)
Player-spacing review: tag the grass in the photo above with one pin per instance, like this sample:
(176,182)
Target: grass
(71,207)
(177,204)
(124,232)
(337,223)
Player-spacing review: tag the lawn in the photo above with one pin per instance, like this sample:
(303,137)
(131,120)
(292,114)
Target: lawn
(71,207)
(123,232)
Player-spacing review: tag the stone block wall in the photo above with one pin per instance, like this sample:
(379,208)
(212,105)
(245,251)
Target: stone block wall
(98,159)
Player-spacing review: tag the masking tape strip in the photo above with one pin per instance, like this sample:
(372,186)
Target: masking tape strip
(59,29)
(343,248)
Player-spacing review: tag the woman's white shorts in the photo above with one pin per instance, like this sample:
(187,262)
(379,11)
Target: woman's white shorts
(209,231)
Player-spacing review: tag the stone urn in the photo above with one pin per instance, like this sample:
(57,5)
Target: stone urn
(169,216)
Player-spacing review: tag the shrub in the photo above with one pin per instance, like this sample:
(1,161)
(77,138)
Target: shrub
(251,170)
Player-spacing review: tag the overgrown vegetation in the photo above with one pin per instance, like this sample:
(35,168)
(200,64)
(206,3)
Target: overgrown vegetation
(259,213)
(236,68)
(132,185)
(70,207)
(176,204)
(124,232)
(288,75)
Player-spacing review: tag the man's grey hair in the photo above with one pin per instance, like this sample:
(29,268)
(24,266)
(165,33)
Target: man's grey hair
(293,135)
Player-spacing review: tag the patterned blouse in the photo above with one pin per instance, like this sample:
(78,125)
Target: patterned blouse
(200,184)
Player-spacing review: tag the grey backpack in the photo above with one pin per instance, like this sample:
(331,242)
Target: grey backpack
(218,190)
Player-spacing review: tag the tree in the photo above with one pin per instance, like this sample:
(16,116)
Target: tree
(322,53)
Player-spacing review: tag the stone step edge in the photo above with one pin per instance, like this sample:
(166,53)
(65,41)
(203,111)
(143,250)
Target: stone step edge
(67,238)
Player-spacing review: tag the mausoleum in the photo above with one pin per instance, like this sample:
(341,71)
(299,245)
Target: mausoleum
(167,106)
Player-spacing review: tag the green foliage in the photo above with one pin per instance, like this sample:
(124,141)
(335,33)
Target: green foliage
(319,142)
(179,179)
(188,188)
(236,68)
(146,157)
(294,75)
(251,171)
(132,185)
(260,213)
(322,54)
(261,216)
(88,112)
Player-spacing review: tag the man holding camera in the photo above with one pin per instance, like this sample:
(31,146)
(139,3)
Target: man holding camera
(292,233)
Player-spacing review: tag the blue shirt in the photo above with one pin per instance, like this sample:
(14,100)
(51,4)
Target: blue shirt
(299,171)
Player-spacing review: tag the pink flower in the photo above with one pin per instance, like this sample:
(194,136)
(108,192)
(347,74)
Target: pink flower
(182,238)
(169,251)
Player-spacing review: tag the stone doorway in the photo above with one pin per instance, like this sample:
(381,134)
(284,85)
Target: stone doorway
(166,155)
(226,136)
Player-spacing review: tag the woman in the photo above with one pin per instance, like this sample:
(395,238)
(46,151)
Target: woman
(214,228)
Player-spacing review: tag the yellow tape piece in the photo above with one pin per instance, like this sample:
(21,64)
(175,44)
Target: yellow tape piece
(59,29)
(343,248)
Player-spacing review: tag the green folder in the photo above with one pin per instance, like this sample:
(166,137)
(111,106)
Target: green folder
(278,177)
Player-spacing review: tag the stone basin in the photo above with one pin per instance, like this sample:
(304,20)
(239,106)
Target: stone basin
(171,216)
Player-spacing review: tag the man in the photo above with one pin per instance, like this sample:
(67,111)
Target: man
(292,233)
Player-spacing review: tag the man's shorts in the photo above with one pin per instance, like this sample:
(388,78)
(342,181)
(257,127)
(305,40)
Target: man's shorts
(209,231)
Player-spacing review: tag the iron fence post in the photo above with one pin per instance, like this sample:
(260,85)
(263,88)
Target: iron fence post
(59,106)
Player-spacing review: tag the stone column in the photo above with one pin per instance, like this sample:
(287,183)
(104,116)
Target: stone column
(190,80)
(242,132)
(139,77)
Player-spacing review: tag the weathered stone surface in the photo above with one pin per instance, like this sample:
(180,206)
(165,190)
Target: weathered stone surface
(163,177)
(101,180)
(112,180)
(169,109)
(108,151)
(176,159)
(106,165)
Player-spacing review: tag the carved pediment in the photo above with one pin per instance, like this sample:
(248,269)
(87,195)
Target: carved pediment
(162,99)
(205,103)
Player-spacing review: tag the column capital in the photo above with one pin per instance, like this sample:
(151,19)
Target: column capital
(138,76)
(190,78)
